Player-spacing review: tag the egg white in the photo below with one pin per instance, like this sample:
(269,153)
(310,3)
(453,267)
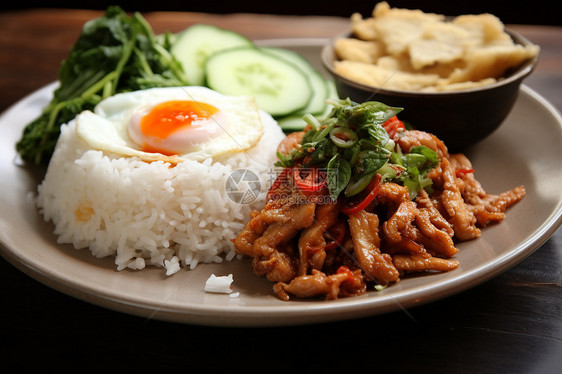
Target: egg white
(106,128)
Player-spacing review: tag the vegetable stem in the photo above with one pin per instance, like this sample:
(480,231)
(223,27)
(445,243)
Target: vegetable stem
(99,85)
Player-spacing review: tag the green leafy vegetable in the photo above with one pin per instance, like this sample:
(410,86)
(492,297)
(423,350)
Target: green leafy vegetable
(418,163)
(338,175)
(114,53)
(352,144)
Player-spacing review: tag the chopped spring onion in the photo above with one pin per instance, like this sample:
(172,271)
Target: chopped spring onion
(343,137)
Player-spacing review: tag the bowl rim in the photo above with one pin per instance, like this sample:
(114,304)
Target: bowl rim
(327,55)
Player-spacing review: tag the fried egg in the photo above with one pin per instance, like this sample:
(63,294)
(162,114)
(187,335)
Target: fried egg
(172,124)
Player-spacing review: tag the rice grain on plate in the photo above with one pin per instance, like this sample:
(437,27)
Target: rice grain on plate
(149,213)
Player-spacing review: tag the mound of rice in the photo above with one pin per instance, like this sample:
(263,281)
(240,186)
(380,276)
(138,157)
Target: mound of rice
(150,213)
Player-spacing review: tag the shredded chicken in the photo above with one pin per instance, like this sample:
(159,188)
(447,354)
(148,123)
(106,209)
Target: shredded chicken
(412,138)
(393,195)
(276,224)
(414,263)
(390,238)
(292,140)
(267,236)
(458,214)
(364,228)
(279,266)
(398,229)
(332,286)
(312,242)
(435,241)
(486,208)
(425,204)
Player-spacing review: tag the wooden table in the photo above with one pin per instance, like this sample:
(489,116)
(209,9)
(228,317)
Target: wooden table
(511,324)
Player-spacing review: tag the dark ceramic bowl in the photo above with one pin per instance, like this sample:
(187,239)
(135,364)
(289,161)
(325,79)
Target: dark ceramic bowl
(459,118)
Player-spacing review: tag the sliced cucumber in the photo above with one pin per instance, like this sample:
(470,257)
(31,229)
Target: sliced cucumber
(317,82)
(295,122)
(193,46)
(279,87)
(291,123)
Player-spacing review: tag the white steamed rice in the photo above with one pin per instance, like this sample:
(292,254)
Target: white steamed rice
(150,213)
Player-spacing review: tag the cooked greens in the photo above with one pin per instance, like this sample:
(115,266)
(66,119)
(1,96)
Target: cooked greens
(114,53)
(353,146)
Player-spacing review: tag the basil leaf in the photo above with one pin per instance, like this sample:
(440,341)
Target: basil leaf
(370,162)
(414,160)
(418,163)
(324,150)
(352,154)
(379,133)
(378,113)
(387,172)
(370,112)
(411,180)
(338,175)
(430,155)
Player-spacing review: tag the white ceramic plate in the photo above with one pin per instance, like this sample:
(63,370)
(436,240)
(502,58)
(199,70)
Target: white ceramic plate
(527,150)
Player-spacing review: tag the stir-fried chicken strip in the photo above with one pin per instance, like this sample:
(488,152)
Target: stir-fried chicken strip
(297,217)
(412,138)
(418,228)
(415,263)
(341,284)
(398,230)
(364,228)
(312,241)
(425,204)
(392,195)
(277,223)
(435,241)
(267,235)
(458,214)
(291,141)
(486,208)
(279,266)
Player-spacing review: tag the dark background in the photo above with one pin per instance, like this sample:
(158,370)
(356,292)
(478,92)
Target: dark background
(539,12)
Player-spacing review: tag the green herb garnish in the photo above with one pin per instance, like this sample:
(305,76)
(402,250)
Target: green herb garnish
(114,53)
(353,146)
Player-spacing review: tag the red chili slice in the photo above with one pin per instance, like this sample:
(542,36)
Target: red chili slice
(313,181)
(392,125)
(460,172)
(373,189)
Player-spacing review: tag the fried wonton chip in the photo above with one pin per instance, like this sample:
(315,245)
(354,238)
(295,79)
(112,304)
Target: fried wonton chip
(384,76)
(483,28)
(491,61)
(439,42)
(412,50)
(358,50)
(397,28)
(363,29)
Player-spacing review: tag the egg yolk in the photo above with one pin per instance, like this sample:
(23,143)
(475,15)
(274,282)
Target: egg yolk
(172,127)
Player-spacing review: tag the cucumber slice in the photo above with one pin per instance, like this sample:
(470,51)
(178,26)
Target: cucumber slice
(317,82)
(279,87)
(193,46)
(291,123)
(295,122)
